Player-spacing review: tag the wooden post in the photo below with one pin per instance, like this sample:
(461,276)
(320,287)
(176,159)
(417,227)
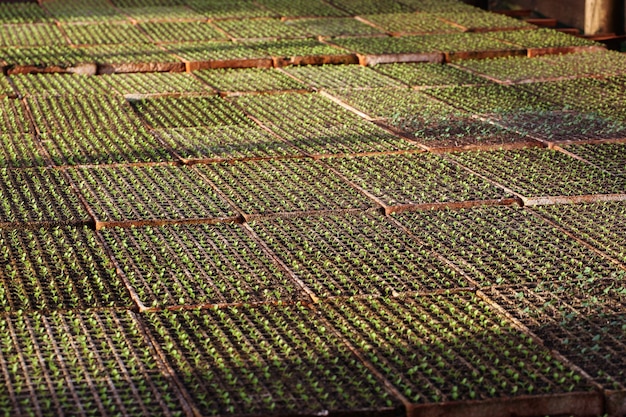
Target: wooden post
(602,16)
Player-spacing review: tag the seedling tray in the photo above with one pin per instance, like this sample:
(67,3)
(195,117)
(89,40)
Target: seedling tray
(249,81)
(581,321)
(283,187)
(565,127)
(155,84)
(389,104)
(194,31)
(418,181)
(124,58)
(28,85)
(152,13)
(104,33)
(491,99)
(228,143)
(229,9)
(435,125)
(331,27)
(46,59)
(265,360)
(547,42)
(601,224)
(601,97)
(249,29)
(305,52)
(13,117)
(328,77)
(95,361)
(85,11)
(438,6)
(127,196)
(535,173)
(290,109)
(204,55)
(384,50)
(57,268)
(22,13)
(364,7)
(95,147)
(167,112)
(544,68)
(429,75)
(351,139)
(481,21)
(352,255)
(181,266)
(38,196)
(84,113)
(30,35)
(20,150)
(401,24)
(507,245)
(607,156)
(301,8)
(457,355)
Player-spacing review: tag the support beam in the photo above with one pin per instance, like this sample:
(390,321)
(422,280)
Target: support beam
(602,16)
